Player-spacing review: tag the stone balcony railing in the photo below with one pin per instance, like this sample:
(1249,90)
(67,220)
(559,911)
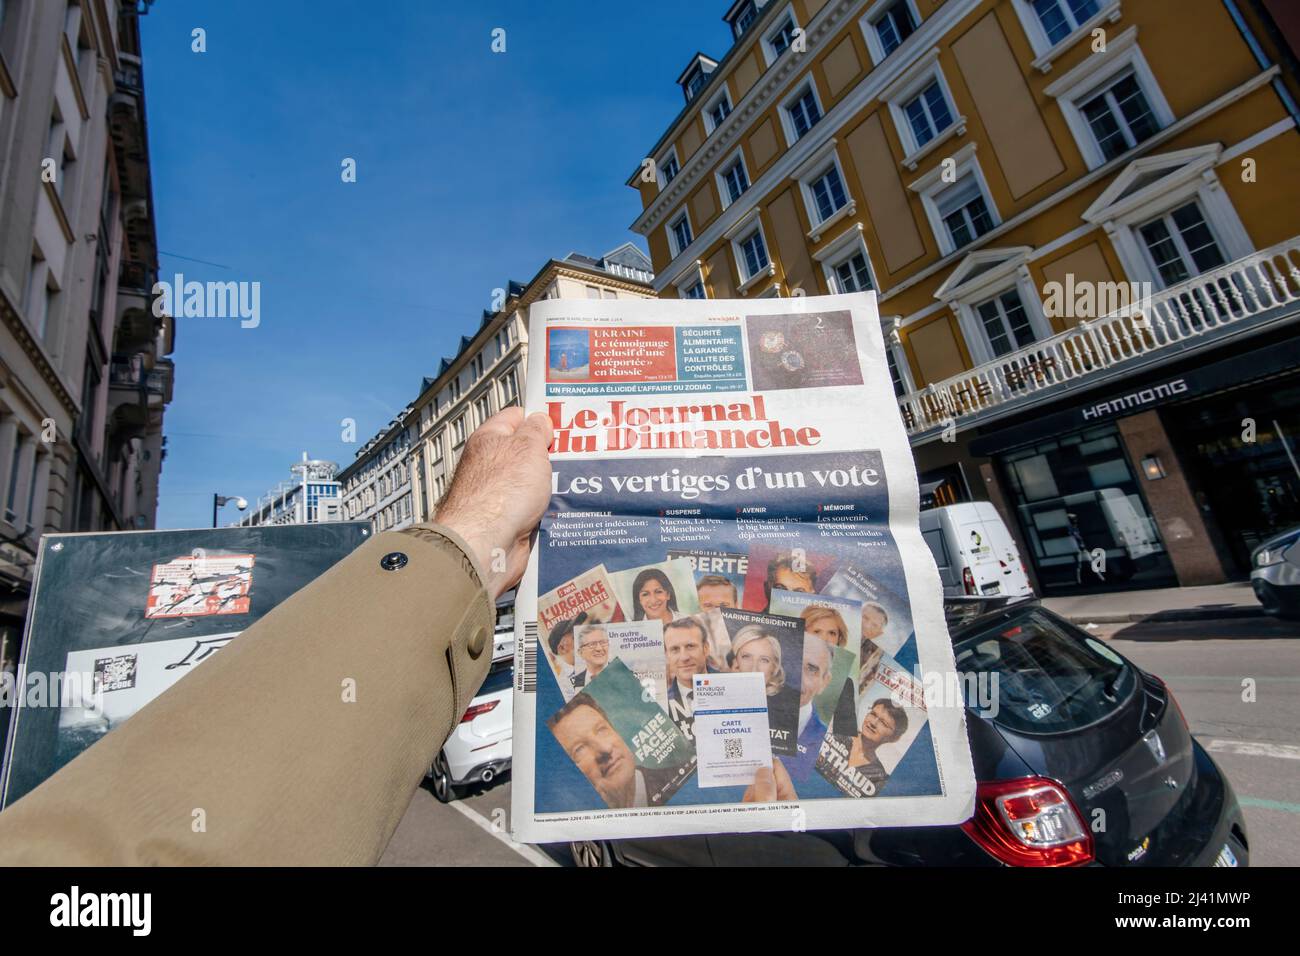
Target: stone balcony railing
(1254,291)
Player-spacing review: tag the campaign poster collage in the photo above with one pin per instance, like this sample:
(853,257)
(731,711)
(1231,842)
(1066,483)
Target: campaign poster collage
(636,601)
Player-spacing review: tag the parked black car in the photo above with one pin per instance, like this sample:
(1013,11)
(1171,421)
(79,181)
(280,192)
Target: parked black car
(1083,759)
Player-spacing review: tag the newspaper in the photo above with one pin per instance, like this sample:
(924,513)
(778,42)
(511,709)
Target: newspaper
(733,609)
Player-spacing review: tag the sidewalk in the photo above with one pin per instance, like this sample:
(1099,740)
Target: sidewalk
(1215,601)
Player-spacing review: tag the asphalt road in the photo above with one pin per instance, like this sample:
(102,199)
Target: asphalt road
(1210,665)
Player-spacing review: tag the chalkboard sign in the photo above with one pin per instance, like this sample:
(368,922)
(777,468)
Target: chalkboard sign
(117,618)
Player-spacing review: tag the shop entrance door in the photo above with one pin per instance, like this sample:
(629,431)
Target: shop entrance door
(1084,518)
(1250,489)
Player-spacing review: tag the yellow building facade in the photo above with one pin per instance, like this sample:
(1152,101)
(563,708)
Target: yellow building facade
(1079,217)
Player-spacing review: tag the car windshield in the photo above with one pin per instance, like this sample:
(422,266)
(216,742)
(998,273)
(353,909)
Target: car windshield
(1030,674)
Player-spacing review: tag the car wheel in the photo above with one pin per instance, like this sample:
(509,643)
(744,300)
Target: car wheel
(440,775)
(591,853)
(1267,599)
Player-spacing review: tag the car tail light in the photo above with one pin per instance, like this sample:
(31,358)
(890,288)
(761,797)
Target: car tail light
(476,710)
(968,580)
(1029,821)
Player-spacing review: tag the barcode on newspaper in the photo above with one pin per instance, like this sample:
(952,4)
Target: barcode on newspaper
(732,748)
(526,681)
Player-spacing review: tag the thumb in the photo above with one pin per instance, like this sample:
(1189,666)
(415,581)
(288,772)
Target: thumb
(537,427)
(764,784)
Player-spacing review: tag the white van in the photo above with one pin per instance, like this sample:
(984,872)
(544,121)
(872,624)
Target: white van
(976,555)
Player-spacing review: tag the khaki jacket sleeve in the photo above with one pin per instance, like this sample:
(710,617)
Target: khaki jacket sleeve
(301,742)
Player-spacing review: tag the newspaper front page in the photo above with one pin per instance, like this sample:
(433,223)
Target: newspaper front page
(730,621)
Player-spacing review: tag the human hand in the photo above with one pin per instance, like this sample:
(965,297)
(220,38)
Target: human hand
(770,784)
(500,490)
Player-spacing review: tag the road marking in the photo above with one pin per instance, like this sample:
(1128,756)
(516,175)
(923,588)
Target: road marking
(1269,804)
(1254,748)
(1170,678)
(535,857)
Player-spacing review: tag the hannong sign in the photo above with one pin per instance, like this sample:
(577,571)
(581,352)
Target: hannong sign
(1130,398)
(1136,400)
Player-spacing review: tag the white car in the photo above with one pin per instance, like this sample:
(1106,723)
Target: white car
(479,749)
(1275,574)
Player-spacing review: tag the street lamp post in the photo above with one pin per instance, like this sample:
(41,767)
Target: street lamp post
(219,501)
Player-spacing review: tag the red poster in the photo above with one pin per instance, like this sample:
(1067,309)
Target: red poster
(633,354)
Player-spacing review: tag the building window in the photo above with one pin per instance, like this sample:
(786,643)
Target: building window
(458,432)
(853,275)
(828,193)
(1060,18)
(1111,102)
(39,302)
(717,111)
(680,233)
(753,255)
(690,282)
(668,168)
(734,180)
(476,367)
(996,302)
(779,40)
(484,406)
(694,81)
(60,150)
(1120,117)
(608,294)
(72,30)
(887,25)
(964,213)
(804,112)
(895,376)
(1169,217)
(922,108)
(1053,27)
(593,292)
(744,18)
(509,387)
(455,389)
(1005,323)
(1181,244)
(928,114)
(961,211)
(845,262)
(15,469)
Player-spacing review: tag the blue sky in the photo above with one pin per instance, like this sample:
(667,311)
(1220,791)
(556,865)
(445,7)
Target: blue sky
(472,168)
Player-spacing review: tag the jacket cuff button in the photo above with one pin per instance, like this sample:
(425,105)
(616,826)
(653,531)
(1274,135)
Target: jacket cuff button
(477,643)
